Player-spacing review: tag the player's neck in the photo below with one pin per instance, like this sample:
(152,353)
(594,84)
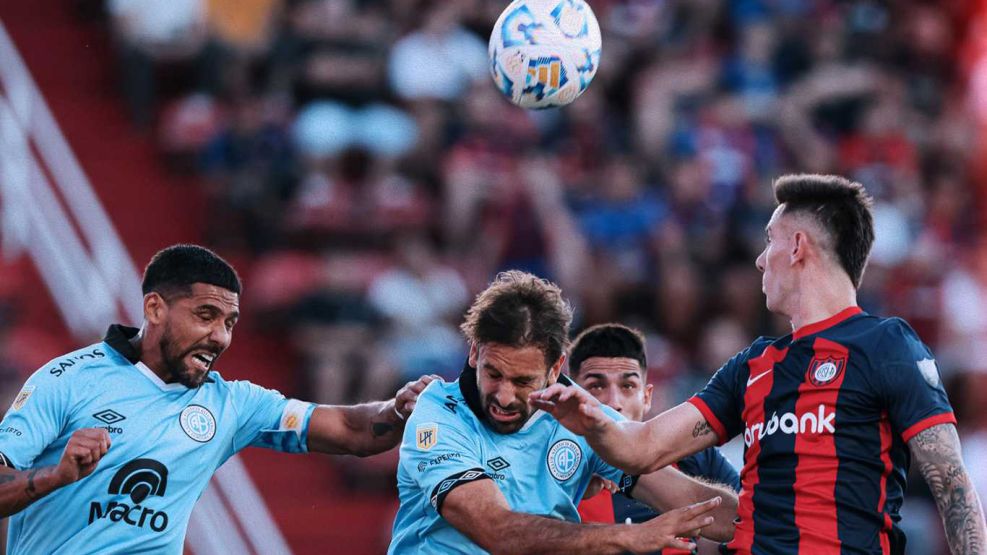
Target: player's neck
(149,355)
(821,296)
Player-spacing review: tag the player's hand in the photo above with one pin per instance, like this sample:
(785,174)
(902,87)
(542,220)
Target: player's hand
(404,401)
(665,531)
(573,407)
(82,453)
(598,484)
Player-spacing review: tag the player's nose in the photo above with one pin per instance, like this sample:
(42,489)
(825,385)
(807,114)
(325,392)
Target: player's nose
(611,398)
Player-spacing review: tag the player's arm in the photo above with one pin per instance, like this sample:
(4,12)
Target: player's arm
(669,488)
(364,429)
(634,447)
(20,488)
(936,450)
(479,510)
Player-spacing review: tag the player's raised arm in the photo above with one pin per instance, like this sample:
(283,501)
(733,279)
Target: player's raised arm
(669,488)
(936,450)
(20,488)
(634,447)
(364,429)
(480,511)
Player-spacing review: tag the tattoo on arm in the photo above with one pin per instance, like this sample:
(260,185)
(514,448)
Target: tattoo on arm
(701,429)
(379,429)
(32,493)
(937,452)
(6,478)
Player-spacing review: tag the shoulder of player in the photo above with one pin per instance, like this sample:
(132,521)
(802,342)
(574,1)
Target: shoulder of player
(441,398)
(894,337)
(77,364)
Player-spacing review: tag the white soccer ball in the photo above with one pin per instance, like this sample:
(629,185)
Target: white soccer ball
(544,53)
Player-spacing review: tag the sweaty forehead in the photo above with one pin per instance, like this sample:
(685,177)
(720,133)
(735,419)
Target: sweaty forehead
(515,361)
(613,367)
(204,293)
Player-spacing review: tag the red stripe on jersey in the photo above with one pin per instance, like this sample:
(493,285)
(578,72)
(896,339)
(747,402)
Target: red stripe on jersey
(817,327)
(886,461)
(714,422)
(815,447)
(925,424)
(598,508)
(761,369)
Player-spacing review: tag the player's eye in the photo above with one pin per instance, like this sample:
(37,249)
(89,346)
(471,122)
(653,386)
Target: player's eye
(630,386)
(594,386)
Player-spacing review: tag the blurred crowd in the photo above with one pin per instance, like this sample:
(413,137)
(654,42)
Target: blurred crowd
(357,153)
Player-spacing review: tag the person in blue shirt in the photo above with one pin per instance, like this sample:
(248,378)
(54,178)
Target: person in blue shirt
(610,362)
(480,472)
(106,449)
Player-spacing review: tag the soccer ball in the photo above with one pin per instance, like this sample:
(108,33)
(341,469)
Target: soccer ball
(544,53)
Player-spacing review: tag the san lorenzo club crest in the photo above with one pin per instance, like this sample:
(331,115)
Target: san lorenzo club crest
(824,370)
(563,459)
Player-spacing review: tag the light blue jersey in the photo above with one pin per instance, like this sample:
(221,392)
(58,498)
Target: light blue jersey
(542,469)
(167,441)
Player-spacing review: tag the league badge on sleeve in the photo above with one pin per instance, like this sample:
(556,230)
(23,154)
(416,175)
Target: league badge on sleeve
(426,436)
(22,397)
(929,370)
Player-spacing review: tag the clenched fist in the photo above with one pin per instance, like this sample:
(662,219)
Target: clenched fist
(82,453)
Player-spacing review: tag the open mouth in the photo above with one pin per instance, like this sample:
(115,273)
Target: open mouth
(202,360)
(502,415)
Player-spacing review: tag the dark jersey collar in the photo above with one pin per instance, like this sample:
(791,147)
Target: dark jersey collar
(471,392)
(118,337)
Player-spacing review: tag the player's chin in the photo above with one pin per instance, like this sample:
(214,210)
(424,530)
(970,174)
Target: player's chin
(193,378)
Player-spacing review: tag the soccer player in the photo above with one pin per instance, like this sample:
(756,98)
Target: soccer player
(106,449)
(480,472)
(831,414)
(610,362)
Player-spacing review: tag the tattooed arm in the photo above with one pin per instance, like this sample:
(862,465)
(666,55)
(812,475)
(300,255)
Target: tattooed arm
(634,447)
(364,429)
(937,453)
(20,488)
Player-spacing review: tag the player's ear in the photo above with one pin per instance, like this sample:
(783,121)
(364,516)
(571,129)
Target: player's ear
(155,307)
(800,244)
(474,354)
(649,389)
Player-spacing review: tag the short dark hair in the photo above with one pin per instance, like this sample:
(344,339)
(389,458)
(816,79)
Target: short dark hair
(176,268)
(842,207)
(519,309)
(610,341)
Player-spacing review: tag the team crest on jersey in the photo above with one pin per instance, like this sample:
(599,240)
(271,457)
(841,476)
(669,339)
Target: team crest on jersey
(824,370)
(426,436)
(929,370)
(22,397)
(198,423)
(563,459)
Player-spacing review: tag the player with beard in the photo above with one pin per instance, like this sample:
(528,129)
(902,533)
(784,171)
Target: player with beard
(116,441)
(480,472)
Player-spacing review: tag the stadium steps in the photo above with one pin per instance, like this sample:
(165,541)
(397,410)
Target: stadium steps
(73,64)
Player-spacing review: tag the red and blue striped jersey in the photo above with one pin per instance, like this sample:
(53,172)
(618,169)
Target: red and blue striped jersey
(826,414)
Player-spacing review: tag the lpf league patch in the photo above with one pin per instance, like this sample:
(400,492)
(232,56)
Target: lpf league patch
(22,397)
(563,459)
(824,370)
(198,423)
(929,370)
(426,436)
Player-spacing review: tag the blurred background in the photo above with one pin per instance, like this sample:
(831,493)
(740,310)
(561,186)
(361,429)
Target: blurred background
(354,161)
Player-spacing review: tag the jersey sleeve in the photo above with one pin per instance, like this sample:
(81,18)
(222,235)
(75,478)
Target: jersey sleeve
(35,419)
(439,452)
(720,401)
(711,465)
(265,418)
(911,389)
